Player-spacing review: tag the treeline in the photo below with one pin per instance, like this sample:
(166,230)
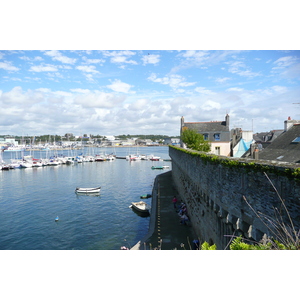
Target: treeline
(70,137)
(153,137)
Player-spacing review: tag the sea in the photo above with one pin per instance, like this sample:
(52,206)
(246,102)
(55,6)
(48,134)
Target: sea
(32,198)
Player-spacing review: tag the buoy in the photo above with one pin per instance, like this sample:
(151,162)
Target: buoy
(56,219)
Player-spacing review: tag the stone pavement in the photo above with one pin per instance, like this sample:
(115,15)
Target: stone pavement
(165,230)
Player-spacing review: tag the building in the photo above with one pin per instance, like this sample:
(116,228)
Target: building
(172,141)
(216,132)
(240,142)
(286,147)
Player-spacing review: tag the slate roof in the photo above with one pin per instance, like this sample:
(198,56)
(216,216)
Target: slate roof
(267,136)
(206,127)
(283,148)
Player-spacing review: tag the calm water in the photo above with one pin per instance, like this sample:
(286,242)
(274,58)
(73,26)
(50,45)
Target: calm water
(30,200)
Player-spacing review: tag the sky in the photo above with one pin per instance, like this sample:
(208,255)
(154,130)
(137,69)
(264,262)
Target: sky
(126,68)
(113,92)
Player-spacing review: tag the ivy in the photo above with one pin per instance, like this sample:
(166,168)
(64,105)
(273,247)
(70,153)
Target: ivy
(292,173)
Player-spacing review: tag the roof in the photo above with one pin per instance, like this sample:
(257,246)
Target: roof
(284,147)
(267,136)
(213,126)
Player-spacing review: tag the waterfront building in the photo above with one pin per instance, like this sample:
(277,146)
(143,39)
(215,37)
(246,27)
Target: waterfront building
(216,132)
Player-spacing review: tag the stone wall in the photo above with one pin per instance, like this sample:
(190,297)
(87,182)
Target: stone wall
(214,194)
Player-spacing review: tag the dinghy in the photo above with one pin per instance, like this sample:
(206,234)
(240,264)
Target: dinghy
(87,190)
(140,206)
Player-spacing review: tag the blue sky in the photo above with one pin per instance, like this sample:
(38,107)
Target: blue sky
(107,90)
(145,91)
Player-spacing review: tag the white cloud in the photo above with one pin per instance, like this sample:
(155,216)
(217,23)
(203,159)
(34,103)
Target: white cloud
(235,89)
(37,58)
(287,66)
(92,61)
(197,56)
(120,57)
(87,69)
(239,68)
(81,91)
(139,106)
(173,80)
(150,59)
(204,91)
(8,66)
(57,56)
(43,68)
(279,89)
(222,79)
(98,99)
(210,105)
(44,90)
(286,61)
(18,97)
(119,86)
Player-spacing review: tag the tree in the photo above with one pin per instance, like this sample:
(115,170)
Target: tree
(195,140)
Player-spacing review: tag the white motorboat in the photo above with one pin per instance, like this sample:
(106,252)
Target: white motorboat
(87,190)
(140,206)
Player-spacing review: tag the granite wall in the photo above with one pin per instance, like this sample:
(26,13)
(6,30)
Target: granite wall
(214,194)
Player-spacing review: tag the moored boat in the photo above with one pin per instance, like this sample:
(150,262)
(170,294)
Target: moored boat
(159,167)
(87,190)
(145,196)
(140,206)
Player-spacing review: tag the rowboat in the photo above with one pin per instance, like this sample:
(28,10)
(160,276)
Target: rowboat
(87,190)
(159,167)
(140,206)
(145,196)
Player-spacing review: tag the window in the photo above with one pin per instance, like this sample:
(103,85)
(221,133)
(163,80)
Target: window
(296,140)
(205,135)
(217,136)
(217,150)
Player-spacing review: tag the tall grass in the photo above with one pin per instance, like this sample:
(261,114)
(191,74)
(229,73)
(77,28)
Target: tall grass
(285,234)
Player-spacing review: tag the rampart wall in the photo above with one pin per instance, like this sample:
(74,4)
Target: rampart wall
(214,192)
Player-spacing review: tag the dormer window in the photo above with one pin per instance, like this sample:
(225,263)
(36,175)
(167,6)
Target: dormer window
(217,136)
(296,140)
(205,135)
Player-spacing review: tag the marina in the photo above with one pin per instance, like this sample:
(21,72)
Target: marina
(32,198)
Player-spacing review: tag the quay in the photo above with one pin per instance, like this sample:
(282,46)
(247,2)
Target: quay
(165,230)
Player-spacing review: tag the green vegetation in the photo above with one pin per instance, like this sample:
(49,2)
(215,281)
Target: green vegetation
(207,246)
(152,137)
(292,173)
(239,243)
(195,141)
(70,137)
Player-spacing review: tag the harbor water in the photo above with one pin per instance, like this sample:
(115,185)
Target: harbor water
(31,199)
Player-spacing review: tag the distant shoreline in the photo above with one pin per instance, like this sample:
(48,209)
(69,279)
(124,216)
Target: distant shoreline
(78,148)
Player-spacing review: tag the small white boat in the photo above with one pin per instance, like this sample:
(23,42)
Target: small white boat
(140,206)
(87,190)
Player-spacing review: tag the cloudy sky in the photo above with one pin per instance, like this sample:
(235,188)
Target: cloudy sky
(119,86)
(145,91)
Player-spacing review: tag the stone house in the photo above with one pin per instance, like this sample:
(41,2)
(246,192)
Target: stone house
(216,132)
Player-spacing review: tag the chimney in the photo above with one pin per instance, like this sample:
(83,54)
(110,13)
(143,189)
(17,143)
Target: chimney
(289,123)
(227,120)
(182,121)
